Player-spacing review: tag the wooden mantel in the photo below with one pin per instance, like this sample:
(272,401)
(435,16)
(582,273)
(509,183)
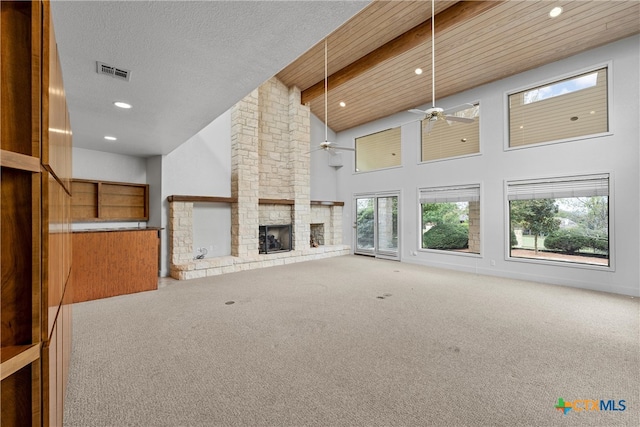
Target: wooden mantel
(216,199)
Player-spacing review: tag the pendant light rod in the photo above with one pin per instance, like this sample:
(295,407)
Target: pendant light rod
(433,56)
(326,89)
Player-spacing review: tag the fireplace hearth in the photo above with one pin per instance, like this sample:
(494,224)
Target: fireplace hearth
(274,238)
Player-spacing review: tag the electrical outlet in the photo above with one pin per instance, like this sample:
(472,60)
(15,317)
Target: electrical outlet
(493,262)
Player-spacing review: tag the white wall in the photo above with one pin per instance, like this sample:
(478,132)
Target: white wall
(323,177)
(200,167)
(154,179)
(102,166)
(212,229)
(98,165)
(617,153)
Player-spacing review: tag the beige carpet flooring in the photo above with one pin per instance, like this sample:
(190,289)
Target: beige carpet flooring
(353,341)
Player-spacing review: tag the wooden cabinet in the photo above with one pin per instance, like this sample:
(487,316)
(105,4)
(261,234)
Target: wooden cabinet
(35,216)
(114,262)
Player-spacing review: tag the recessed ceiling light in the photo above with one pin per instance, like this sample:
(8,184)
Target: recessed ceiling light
(121,104)
(110,138)
(342,104)
(556,11)
(418,71)
(592,112)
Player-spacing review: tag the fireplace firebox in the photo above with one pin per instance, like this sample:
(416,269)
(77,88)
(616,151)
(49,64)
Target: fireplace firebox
(274,238)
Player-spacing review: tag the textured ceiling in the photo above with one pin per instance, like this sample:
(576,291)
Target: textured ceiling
(189,61)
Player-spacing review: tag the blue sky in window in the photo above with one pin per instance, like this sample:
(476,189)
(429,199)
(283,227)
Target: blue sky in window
(561,88)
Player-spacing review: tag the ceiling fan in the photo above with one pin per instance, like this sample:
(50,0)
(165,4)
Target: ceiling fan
(327,145)
(434,113)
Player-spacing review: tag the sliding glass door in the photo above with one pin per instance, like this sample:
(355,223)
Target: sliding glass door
(376,225)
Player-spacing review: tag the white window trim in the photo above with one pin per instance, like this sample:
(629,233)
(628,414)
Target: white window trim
(355,150)
(445,252)
(608,65)
(566,264)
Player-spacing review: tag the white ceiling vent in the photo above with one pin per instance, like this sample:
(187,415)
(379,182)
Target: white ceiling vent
(115,72)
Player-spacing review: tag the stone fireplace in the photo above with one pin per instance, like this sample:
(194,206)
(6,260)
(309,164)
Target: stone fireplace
(274,238)
(270,186)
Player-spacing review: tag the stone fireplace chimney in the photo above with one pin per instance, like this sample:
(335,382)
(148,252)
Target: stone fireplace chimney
(270,186)
(270,160)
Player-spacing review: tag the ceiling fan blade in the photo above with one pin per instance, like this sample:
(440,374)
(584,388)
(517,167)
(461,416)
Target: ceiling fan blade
(457,108)
(416,111)
(429,126)
(327,145)
(338,147)
(458,119)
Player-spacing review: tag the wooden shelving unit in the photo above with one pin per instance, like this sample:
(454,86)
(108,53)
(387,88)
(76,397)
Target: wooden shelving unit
(35,254)
(109,201)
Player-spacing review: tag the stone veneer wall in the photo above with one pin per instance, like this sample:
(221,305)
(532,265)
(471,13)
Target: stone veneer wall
(275,145)
(180,232)
(244,176)
(275,214)
(270,142)
(331,217)
(474,227)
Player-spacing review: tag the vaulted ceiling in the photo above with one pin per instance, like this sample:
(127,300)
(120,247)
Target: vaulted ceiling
(372,57)
(191,61)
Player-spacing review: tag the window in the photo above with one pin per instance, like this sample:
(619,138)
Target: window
(378,151)
(451,139)
(451,218)
(560,219)
(565,109)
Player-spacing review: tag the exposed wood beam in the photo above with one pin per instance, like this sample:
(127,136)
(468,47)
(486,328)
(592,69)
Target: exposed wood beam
(421,33)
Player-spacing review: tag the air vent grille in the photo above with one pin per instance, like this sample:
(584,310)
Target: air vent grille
(115,72)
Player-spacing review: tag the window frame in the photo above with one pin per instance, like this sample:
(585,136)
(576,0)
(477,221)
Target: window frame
(481,231)
(355,152)
(566,264)
(556,79)
(445,159)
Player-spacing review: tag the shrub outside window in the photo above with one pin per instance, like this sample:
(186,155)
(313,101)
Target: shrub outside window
(560,220)
(379,150)
(451,139)
(451,218)
(565,109)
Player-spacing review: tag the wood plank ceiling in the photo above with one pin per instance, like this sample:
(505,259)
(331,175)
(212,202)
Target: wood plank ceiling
(475,44)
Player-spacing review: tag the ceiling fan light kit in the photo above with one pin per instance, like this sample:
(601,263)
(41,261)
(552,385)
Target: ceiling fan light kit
(327,145)
(434,113)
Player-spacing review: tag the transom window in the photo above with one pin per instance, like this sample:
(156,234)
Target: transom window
(560,219)
(451,139)
(565,109)
(379,150)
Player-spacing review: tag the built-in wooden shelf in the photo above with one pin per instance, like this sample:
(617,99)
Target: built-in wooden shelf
(10,159)
(17,357)
(99,201)
(276,202)
(205,199)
